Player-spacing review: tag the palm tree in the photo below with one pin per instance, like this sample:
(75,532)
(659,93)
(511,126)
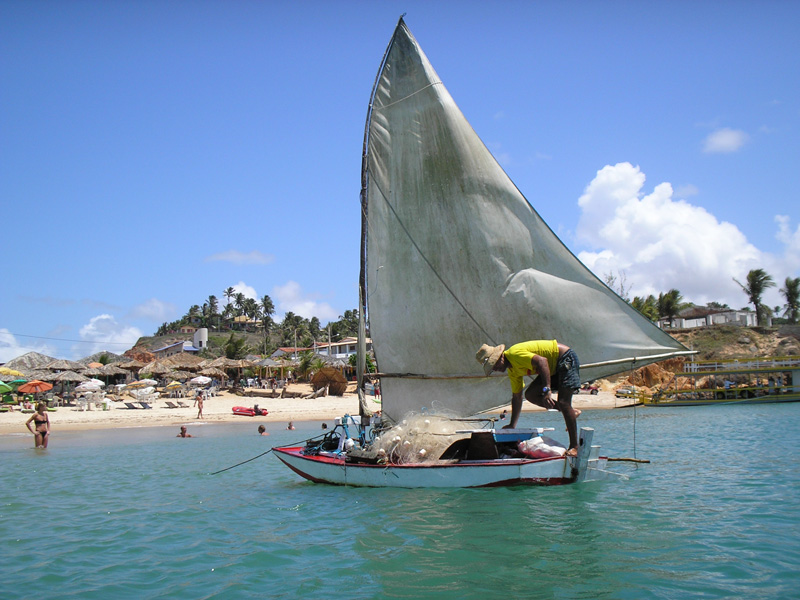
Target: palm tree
(757,283)
(670,304)
(236,347)
(646,306)
(791,291)
(267,310)
(229,293)
(213,308)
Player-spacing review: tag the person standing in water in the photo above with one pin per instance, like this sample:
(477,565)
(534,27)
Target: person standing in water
(41,433)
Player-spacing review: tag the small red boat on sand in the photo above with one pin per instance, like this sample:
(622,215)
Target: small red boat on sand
(250,411)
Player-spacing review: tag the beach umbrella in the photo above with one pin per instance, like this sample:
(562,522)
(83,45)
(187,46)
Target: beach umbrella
(11,372)
(173,384)
(94,365)
(98,382)
(5,388)
(148,382)
(200,380)
(87,386)
(133,385)
(35,386)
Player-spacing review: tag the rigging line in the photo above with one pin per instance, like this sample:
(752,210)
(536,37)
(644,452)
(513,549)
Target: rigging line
(430,265)
(39,337)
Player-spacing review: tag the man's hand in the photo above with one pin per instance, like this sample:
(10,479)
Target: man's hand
(549,401)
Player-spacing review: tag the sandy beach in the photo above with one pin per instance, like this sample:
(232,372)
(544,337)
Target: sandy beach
(219,410)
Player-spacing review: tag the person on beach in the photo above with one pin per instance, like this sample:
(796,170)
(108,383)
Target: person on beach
(198,400)
(183,432)
(41,433)
(556,367)
(262,430)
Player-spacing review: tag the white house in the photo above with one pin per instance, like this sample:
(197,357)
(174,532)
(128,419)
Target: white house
(698,316)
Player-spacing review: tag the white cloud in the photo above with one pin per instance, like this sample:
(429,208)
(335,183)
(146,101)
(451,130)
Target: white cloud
(661,243)
(687,190)
(791,240)
(243,288)
(241,258)
(291,298)
(104,331)
(10,347)
(153,310)
(725,140)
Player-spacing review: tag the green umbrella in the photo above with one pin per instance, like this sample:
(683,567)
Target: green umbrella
(4,388)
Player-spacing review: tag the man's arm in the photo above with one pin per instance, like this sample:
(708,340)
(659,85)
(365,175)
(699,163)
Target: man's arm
(516,409)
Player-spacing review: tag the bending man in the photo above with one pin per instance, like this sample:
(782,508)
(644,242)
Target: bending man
(557,368)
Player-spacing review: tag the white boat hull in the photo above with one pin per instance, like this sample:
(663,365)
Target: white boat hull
(333,469)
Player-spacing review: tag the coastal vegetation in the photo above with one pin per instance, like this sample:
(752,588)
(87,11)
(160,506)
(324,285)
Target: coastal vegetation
(669,305)
(241,325)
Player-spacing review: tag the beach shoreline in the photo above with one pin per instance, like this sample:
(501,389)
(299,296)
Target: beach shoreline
(218,409)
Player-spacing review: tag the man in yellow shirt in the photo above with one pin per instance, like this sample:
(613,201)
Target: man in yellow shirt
(554,366)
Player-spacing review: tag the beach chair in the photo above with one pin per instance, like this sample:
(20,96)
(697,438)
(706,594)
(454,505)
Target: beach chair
(131,405)
(171,404)
(183,405)
(144,404)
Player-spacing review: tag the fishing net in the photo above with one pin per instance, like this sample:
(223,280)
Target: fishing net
(418,438)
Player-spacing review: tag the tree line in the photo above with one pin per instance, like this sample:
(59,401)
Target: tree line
(668,305)
(292,331)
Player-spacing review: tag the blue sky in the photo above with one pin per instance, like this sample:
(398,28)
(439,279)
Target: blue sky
(155,153)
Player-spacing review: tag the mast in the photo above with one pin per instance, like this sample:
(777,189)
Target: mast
(361,353)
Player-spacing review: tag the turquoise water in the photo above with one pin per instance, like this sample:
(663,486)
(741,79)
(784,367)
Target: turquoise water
(134,513)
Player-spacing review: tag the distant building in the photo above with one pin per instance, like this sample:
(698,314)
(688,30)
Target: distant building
(175,348)
(698,316)
(341,349)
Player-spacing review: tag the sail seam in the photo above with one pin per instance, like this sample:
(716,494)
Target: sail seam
(409,96)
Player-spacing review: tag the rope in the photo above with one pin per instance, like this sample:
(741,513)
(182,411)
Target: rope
(265,453)
(241,463)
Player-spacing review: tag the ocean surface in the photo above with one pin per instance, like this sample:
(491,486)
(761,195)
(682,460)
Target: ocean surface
(135,513)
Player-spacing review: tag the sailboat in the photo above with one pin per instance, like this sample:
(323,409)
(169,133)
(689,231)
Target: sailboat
(453,256)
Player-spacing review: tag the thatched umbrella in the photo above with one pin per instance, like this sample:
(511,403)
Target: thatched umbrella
(180,375)
(112,369)
(183,360)
(93,372)
(156,368)
(213,372)
(65,365)
(67,376)
(28,362)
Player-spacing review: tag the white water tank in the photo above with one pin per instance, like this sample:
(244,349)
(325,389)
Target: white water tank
(201,338)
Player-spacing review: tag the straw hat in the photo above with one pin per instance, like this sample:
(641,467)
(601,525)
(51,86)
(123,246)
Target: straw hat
(488,356)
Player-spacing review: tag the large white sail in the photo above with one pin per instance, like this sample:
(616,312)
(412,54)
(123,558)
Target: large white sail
(455,257)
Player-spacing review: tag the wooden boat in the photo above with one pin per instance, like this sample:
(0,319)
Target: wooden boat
(452,256)
(735,381)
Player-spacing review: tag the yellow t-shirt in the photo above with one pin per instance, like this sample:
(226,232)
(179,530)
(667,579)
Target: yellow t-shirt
(519,358)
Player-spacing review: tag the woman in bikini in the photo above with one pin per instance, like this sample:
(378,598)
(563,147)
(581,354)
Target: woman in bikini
(42,423)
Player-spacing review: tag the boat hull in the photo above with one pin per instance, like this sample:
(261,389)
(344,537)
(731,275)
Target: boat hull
(333,469)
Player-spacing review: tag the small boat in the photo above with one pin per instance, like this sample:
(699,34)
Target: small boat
(250,411)
(735,381)
(453,256)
